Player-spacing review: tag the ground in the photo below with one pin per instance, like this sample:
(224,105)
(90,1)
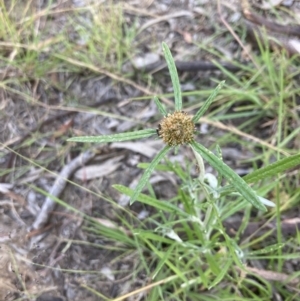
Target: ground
(77,68)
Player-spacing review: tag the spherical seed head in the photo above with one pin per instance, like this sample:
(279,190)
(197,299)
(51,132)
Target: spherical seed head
(177,129)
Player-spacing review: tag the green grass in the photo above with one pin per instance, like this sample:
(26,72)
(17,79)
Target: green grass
(182,250)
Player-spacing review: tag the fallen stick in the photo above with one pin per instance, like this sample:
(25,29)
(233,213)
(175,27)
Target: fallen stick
(57,188)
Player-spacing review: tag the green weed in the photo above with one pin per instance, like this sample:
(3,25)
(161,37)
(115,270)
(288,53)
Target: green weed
(190,242)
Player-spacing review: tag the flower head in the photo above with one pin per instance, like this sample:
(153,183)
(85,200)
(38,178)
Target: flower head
(177,128)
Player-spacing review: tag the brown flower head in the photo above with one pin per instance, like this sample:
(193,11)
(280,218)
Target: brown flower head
(176,129)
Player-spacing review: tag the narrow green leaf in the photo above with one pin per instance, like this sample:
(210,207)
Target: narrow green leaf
(204,275)
(174,76)
(115,137)
(267,249)
(208,102)
(160,167)
(163,260)
(147,173)
(239,184)
(223,272)
(160,106)
(172,266)
(286,256)
(235,251)
(220,155)
(158,204)
(231,75)
(214,265)
(268,171)
(149,235)
(273,169)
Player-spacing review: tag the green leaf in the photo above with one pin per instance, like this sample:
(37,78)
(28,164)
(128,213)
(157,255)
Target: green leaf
(224,271)
(267,249)
(268,171)
(115,137)
(208,102)
(163,260)
(158,204)
(147,173)
(174,76)
(273,169)
(239,184)
(160,106)
(160,167)
(235,251)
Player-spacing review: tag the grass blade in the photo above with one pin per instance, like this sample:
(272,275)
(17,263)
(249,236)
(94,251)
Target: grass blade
(157,204)
(147,173)
(239,184)
(115,137)
(174,76)
(208,102)
(222,274)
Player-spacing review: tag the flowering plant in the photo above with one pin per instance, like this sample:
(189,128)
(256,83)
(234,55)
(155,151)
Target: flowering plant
(176,129)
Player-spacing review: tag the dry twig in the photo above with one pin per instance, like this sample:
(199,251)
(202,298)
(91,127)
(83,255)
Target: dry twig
(58,187)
